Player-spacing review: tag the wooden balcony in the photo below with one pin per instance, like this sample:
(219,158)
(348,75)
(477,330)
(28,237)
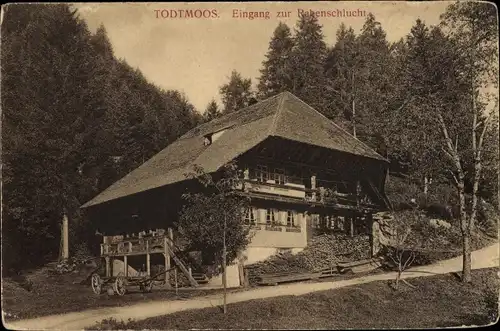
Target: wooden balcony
(121,246)
(270,187)
(299,194)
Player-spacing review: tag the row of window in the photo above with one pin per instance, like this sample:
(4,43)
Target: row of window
(274,217)
(329,222)
(263,174)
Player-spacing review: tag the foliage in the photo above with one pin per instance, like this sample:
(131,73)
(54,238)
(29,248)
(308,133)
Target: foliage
(74,120)
(237,93)
(214,216)
(112,324)
(212,111)
(374,75)
(306,65)
(274,75)
(401,248)
(340,66)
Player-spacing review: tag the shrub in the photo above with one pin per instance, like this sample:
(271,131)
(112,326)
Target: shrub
(111,324)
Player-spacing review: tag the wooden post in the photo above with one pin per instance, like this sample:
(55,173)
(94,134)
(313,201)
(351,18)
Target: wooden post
(241,272)
(65,237)
(148,263)
(171,234)
(171,237)
(351,230)
(108,271)
(167,261)
(313,187)
(176,286)
(125,266)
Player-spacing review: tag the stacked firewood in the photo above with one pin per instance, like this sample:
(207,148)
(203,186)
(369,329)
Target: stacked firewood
(327,250)
(74,264)
(323,252)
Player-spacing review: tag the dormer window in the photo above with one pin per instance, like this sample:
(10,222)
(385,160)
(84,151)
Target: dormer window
(210,138)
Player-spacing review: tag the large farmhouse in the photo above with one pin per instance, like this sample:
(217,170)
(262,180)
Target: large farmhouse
(301,171)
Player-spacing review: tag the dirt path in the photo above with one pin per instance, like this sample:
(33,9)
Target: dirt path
(485,258)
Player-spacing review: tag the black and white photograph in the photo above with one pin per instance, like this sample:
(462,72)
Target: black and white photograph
(249,165)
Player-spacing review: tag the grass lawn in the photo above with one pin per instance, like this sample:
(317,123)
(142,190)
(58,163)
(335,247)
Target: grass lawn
(436,301)
(55,294)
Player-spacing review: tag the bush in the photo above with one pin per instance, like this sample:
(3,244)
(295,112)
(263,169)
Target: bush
(111,324)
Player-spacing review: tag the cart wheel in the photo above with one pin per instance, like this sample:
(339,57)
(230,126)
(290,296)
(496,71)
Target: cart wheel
(119,285)
(96,283)
(147,287)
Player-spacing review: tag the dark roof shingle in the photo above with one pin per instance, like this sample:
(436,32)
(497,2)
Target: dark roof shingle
(283,115)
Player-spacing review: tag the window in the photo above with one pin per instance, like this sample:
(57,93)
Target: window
(290,218)
(249,217)
(279,176)
(261,173)
(270,217)
(315,221)
(329,222)
(340,223)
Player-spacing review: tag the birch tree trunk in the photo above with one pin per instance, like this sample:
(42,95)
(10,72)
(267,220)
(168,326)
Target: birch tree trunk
(465,228)
(466,231)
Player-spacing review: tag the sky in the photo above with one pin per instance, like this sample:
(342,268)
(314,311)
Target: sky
(196,55)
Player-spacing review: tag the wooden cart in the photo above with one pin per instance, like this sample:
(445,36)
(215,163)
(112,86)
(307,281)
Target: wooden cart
(143,245)
(120,282)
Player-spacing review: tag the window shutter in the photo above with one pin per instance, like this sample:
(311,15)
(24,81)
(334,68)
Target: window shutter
(276,215)
(255,213)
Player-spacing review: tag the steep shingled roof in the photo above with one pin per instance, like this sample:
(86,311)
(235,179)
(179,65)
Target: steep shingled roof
(283,115)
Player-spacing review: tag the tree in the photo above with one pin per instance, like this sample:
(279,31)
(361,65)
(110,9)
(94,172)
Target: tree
(474,28)
(211,221)
(63,95)
(46,62)
(413,137)
(402,247)
(446,106)
(307,60)
(340,69)
(212,111)
(373,79)
(237,93)
(274,77)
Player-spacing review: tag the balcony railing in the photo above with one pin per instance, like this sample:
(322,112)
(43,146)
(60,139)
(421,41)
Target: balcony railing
(327,192)
(322,195)
(274,227)
(270,187)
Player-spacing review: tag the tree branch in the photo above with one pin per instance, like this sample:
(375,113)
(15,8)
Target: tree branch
(452,152)
(483,132)
(454,177)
